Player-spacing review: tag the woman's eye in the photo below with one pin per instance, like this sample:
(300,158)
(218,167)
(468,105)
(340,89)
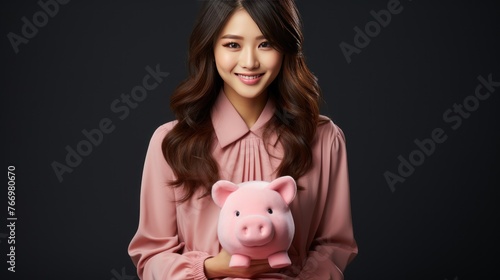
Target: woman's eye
(265,45)
(269,210)
(237,213)
(231,45)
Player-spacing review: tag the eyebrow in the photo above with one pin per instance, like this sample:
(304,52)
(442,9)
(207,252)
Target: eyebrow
(230,36)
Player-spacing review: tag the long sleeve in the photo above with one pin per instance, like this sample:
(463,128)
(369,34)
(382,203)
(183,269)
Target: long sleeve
(333,246)
(155,249)
(174,239)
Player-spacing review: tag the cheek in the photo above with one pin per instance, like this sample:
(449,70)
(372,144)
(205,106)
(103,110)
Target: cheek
(224,61)
(274,62)
(225,231)
(281,221)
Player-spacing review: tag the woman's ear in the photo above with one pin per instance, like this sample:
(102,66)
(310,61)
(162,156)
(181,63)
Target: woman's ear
(221,191)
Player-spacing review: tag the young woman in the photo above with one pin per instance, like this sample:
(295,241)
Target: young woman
(247,111)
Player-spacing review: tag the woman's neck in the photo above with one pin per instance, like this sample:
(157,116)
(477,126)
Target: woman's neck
(248,108)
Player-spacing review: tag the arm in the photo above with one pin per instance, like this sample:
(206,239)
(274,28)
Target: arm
(334,246)
(155,248)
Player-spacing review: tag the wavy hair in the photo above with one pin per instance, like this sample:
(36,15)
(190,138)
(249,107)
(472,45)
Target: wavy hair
(187,147)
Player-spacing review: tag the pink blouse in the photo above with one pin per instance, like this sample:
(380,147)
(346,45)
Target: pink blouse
(174,239)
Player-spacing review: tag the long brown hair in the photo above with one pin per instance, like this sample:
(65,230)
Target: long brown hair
(295,91)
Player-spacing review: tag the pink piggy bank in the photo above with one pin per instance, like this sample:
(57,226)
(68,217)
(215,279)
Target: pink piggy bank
(255,221)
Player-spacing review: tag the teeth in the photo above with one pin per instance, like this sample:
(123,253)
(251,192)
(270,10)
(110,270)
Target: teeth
(249,77)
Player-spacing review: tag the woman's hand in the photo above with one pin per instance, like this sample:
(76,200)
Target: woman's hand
(218,267)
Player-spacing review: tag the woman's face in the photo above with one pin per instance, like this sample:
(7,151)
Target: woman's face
(245,59)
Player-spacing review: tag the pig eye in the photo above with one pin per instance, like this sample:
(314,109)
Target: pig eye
(269,210)
(237,213)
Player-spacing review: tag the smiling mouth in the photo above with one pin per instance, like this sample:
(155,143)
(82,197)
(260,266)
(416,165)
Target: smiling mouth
(251,77)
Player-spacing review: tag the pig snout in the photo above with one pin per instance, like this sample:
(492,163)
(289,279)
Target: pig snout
(254,231)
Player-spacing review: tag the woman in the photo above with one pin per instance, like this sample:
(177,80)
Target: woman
(247,111)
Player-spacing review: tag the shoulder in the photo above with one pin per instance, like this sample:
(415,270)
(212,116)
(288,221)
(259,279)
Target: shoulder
(328,131)
(164,129)
(161,131)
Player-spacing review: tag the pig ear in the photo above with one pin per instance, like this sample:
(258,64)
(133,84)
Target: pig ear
(285,186)
(221,190)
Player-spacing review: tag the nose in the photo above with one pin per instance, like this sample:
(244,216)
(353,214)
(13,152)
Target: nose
(249,59)
(254,231)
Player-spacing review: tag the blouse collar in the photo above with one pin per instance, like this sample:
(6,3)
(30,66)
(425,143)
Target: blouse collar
(229,126)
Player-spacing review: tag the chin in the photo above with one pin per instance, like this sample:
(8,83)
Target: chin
(250,95)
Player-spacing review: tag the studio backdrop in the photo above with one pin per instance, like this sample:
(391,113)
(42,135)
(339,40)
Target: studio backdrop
(414,85)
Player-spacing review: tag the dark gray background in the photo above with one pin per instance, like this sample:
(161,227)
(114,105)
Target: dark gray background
(438,224)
